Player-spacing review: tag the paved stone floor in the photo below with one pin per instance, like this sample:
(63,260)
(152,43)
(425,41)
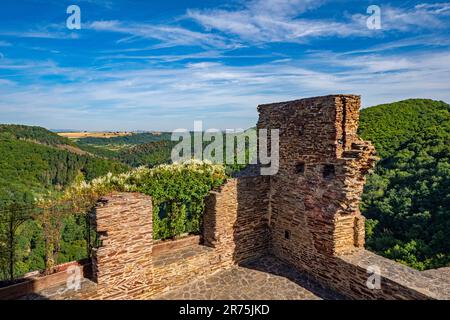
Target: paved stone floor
(264,279)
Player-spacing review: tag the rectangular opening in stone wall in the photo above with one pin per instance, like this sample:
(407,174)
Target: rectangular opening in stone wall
(102,235)
(287,234)
(329,171)
(300,168)
(301,130)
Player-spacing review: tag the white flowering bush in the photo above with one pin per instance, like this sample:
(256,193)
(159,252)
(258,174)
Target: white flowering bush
(178,191)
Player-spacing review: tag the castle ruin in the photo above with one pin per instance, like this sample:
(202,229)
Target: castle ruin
(307,215)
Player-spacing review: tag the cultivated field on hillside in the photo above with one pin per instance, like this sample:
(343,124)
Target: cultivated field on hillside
(79,135)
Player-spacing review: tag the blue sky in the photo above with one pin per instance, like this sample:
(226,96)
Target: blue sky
(160,65)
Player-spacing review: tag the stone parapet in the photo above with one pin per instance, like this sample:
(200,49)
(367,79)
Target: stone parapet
(122,264)
(307,215)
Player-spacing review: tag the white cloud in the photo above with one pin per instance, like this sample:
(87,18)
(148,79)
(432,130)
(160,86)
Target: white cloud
(283,21)
(257,21)
(434,8)
(255,26)
(51,31)
(151,97)
(266,21)
(281,8)
(420,17)
(5,82)
(169,36)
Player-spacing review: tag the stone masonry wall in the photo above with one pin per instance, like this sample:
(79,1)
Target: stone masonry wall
(122,265)
(125,266)
(315,222)
(315,195)
(235,221)
(235,229)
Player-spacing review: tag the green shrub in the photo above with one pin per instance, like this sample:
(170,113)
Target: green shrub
(178,192)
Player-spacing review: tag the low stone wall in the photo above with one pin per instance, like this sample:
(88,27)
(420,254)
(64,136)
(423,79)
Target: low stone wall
(129,265)
(441,273)
(235,229)
(397,281)
(178,267)
(36,281)
(163,246)
(348,275)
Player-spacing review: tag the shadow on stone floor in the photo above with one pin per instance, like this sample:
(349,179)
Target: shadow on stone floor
(34,296)
(272,265)
(265,278)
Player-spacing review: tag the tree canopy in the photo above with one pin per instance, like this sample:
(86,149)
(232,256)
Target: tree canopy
(407,198)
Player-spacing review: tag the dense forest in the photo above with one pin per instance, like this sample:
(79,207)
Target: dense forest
(35,164)
(147,148)
(35,134)
(148,154)
(407,198)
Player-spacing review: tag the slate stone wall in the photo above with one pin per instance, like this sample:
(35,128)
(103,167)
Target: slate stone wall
(307,215)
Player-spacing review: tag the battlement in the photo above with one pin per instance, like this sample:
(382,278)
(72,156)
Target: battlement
(307,215)
(313,129)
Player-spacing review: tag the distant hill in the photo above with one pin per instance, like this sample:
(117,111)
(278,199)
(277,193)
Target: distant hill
(35,161)
(62,130)
(35,134)
(148,154)
(390,125)
(407,198)
(133,139)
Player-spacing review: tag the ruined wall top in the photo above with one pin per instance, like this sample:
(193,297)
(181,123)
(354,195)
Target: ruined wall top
(314,129)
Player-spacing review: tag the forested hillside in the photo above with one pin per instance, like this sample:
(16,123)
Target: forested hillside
(35,134)
(407,198)
(148,154)
(135,151)
(34,161)
(122,147)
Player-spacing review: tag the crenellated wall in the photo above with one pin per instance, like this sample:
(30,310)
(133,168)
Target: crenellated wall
(306,215)
(129,265)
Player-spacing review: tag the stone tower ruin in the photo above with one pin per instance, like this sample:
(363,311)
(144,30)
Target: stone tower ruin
(314,198)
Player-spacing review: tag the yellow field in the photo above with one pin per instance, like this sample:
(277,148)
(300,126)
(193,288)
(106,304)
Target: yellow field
(79,135)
